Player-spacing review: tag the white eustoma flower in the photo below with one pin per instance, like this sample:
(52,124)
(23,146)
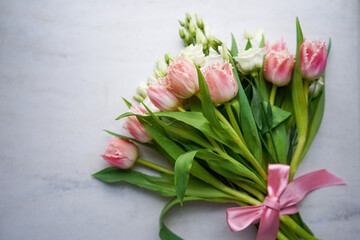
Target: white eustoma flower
(151,78)
(161,66)
(194,54)
(208,30)
(141,88)
(249,60)
(214,57)
(258,35)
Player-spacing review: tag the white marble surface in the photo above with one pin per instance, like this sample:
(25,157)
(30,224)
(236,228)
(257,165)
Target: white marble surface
(64,66)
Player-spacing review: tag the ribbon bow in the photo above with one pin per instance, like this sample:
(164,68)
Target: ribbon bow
(281,200)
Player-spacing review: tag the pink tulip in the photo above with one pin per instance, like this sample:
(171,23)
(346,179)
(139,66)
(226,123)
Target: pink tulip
(120,153)
(183,78)
(278,67)
(161,96)
(221,82)
(313,59)
(135,128)
(279,45)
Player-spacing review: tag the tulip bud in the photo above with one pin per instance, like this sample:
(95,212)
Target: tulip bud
(279,67)
(121,153)
(221,82)
(183,78)
(313,59)
(316,87)
(161,96)
(135,128)
(279,45)
(199,21)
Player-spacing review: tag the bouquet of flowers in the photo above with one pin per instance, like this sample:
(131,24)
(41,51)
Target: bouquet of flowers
(234,123)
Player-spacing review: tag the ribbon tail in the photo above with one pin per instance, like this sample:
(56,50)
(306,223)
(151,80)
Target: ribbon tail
(298,188)
(239,218)
(269,225)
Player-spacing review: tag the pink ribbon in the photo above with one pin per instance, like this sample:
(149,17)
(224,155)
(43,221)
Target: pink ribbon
(281,200)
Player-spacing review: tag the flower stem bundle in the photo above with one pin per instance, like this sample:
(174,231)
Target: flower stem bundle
(220,117)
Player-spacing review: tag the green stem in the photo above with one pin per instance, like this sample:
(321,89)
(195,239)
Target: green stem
(180,109)
(296,228)
(242,146)
(233,120)
(296,160)
(154,166)
(273,94)
(306,90)
(258,194)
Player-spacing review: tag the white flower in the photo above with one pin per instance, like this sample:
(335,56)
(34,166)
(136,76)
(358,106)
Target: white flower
(141,88)
(151,78)
(194,54)
(161,66)
(214,58)
(208,30)
(258,35)
(200,37)
(316,87)
(250,59)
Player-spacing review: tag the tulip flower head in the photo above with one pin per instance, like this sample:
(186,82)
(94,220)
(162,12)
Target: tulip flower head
(313,59)
(121,153)
(135,128)
(183,78)
(221,81)
(279,45)
(279,67)
(161,96)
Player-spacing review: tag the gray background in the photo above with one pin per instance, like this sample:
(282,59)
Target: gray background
(64,66)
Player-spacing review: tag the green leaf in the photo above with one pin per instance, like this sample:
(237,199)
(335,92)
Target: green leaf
(198,121)
(165,233)
(274,117)
(163,185)
(248,45)
(262,84)
(297,89)
(262,42)
(280,142)
(207,106)
(247,121)
(234,50)
(182,168)
(318,107)
(128,104)
(256,108)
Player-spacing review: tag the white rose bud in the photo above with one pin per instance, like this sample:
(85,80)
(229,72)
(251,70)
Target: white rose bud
(194,54)
(249,60)
(214,58)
